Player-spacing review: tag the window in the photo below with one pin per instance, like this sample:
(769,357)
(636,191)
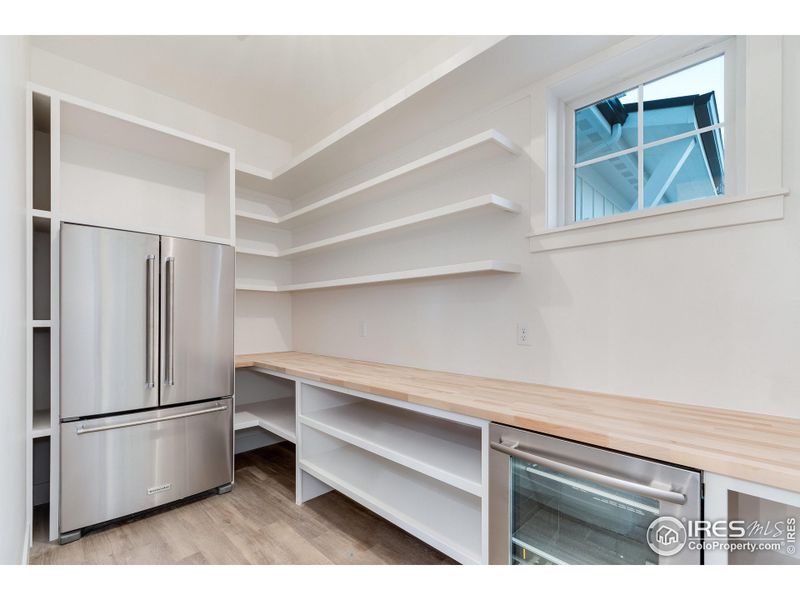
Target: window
(656,143)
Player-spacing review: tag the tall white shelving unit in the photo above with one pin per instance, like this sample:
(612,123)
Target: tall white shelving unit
(93,165)
(42,304)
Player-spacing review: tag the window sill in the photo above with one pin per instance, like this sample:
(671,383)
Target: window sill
(664,220)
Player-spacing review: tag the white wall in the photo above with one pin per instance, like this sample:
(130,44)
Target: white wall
(252,147)
(14,69)
(708,318)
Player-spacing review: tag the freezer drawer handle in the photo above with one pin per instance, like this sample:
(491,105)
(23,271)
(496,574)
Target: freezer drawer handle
(512,449)
(81,430)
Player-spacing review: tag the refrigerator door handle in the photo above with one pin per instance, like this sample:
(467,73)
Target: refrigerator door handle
(512,448)
(150,379)
(83,429)
(169,359)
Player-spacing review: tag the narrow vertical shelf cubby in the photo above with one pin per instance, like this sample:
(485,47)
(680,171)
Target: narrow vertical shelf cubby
(41,383)
(41,268)
(42,198)
(42,294)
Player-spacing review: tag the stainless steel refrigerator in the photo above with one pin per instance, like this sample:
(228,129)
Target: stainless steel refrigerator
(147,371)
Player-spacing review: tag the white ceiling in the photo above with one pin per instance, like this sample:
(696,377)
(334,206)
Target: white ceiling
(291,87)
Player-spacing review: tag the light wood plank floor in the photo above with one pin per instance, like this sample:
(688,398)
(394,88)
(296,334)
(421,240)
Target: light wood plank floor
(257,523)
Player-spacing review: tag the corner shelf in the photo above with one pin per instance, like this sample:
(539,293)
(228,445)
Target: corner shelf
(490,138)
(487,201)
(276,416)
(254,216)
(483,266)
(252,251)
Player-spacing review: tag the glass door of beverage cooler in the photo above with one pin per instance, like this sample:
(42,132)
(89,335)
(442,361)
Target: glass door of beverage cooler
(558,502)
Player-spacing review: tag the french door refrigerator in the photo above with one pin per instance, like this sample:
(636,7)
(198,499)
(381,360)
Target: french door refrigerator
(147,374)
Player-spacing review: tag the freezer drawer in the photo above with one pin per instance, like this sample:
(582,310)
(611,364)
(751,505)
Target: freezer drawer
(109,321)
(197,297)
(116,466)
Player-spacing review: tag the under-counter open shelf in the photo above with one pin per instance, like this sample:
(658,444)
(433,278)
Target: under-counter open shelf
(276,416)
(443,516)
(478,267)
(444,450)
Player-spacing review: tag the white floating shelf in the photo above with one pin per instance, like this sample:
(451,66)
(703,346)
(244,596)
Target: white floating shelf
(487,201)
(276,416)
(444,517)
(254,216)
(245,285)
(449,452)
(482,266)
(41,424)
(257,252)
(491,138)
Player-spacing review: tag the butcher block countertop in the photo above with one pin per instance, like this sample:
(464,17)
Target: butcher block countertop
(749,446)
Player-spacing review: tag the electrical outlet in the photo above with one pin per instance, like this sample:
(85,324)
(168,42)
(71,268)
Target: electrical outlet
(362,328)
(522,335)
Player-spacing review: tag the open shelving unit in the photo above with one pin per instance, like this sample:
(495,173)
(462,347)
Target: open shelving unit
(267,221)
(418,467)
(92,165)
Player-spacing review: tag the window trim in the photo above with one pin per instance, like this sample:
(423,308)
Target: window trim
(708,213)
(567,107)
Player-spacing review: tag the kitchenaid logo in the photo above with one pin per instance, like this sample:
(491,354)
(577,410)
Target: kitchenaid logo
(667,536)
(158,488)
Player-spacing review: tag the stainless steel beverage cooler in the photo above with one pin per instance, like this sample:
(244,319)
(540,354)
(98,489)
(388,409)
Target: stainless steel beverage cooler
(553,501)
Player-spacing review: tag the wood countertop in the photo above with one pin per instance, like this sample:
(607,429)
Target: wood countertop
(758,448)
